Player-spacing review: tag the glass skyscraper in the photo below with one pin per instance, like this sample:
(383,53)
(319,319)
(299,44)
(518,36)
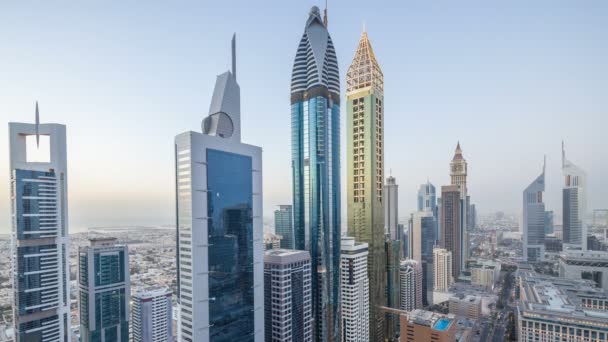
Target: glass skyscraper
(39,215)
(104,291)
(574,205)
(283,225)
(534,220)
(219,225)
(315,129)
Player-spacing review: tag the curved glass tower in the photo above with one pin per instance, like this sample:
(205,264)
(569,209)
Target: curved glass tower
(315,120)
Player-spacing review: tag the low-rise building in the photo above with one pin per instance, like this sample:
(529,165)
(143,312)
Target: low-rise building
(422,325)
(485,273)
(468,306)
(588,265)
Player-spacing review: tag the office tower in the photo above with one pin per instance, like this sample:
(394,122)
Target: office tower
(427,198)
(451,232)
(551,309)
(41,273)
(468,306)
(472,219)
(283,225)
(364,170)
(403,232)
(458,176)
(355,290)
(391,209)
(421,325)
(588,265)
(534,220)
(574,205)
(410,274)
(442,263)
(391,291)
(220,287)
(152,316)
(287,296)
(548,222)
(315,133)
(104,286)
(421,237)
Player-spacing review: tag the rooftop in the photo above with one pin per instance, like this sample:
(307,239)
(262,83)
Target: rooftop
(435,320)
(285,256)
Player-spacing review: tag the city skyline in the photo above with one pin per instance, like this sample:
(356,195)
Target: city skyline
(111,102)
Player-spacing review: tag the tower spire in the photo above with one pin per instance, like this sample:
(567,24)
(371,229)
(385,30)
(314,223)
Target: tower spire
(37,126)
(544,163)
(234,55)
(563,154)
(325,15)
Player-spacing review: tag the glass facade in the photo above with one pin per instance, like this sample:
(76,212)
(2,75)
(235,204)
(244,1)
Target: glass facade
(283,225)
(35,195)
(230,226)
(316,189)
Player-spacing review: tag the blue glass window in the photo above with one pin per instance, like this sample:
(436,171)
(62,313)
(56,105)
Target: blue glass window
(230,225)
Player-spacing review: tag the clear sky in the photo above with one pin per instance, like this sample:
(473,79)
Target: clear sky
(509,79)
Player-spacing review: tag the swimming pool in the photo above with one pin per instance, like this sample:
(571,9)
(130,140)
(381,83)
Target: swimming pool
(442,324)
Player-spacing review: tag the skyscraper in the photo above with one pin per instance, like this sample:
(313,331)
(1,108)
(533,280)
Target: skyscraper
(393,250)
(410,274)
(152,316)
(355,291)
(391,209)
(421,237)
(287,296)
(534,220)
(315,133)
(549,222)
(104,286)
(365,175)
(283,225)
(427,198)
(442,262)
(458,176)
(219,225)
(574,205)
(451,232)
(41,272)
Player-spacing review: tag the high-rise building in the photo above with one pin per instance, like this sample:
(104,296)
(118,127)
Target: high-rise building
(549,222)
(315,133)
(283,225)
(427,198)
(574,205)
(220,266)
(41,271)
(421,238)
(458,176)
(451,225)
(551,309)
(534,220)
(152,316)
(391,291)
(410,274)
(365,175)
(422,325)
(442,264)
(391,209)
(355,291)
(472,220)
(104,291)
(287,296)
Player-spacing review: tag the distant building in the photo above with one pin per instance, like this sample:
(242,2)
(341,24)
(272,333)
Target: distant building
(574,208)
(421,325)
(152,316)
(104,291)
(549,222)
(391,208)
(272,241)
(534,220)
(552,309)
(355,302)
(485,273)
(458,177)
(451,229)
(472,220)
(442,262)
(553,244)
(594,244)
(283,226)
(589,265)
(427,198)
(40,234)
(466,306)
(287,296)
(410,274)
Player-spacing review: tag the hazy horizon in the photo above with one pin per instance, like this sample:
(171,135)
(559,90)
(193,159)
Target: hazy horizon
(509,80)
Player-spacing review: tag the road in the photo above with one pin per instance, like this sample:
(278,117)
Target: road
(498,331)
